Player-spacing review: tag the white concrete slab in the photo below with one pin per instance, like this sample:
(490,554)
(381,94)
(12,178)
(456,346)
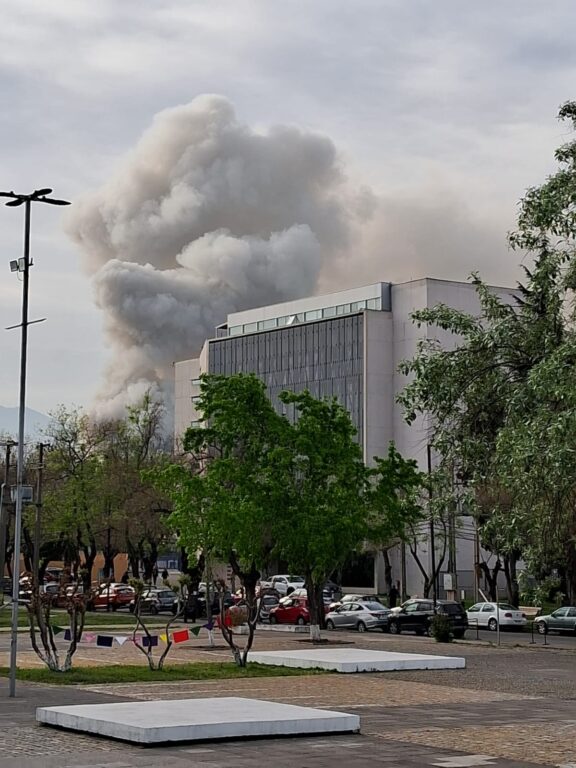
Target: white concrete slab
(154,722)
(356,660)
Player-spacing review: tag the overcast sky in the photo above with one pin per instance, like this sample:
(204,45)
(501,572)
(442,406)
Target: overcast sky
(442,113)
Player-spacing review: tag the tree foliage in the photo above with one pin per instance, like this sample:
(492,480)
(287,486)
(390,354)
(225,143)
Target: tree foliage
(502,401)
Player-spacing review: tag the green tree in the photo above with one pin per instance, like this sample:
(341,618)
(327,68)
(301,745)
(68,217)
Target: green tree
(324,491)
(501,402)
(226,498)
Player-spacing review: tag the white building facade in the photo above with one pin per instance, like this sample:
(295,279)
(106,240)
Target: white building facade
(349,345)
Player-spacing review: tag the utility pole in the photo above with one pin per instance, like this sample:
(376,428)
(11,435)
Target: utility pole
(22,266)
(38,515)
(431,520)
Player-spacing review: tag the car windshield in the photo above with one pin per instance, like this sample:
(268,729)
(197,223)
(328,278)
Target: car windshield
(167,594)
(375,607)
(296,578)
(506,607)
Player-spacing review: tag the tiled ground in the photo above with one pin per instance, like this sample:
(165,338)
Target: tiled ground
(509,708)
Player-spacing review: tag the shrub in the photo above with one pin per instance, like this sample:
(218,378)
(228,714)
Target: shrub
(440,628)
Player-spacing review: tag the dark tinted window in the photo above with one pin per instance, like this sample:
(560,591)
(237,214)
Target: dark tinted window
(452,608)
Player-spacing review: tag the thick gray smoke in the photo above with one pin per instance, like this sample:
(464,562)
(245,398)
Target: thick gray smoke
(205,216)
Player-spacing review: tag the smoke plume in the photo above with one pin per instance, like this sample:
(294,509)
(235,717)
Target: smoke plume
(205,216)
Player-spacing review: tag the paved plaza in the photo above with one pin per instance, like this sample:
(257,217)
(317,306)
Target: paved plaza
(510,707)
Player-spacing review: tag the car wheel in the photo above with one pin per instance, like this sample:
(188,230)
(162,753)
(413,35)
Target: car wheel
(394,628)
(300,621)
(542,628)
(361,627)
(273,619)
(492,625)
(114,607)
(330,625)
(459,634)
(131,608)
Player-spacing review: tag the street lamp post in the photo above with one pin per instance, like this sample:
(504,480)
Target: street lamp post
(23,267)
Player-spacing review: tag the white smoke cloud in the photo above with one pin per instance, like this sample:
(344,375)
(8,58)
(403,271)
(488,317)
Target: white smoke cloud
(205,216)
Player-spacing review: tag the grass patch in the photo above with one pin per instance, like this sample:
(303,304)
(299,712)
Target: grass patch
(131,673)
(93,619)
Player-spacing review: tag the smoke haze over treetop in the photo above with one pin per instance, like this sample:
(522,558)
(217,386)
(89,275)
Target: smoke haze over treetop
(206,216)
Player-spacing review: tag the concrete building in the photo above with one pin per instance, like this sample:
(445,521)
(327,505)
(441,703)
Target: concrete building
(347,344)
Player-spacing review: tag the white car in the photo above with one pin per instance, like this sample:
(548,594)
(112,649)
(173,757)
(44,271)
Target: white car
(284,584)
(487,615)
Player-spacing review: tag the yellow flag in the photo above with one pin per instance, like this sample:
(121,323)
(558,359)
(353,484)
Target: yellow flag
(164,638)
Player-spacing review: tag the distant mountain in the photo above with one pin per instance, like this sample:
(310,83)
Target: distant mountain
(34,423)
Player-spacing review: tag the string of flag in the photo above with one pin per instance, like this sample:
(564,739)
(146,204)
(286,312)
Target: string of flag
(147,641)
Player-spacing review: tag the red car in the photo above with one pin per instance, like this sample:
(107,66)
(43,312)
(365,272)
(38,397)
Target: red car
(116,595)
(291,610)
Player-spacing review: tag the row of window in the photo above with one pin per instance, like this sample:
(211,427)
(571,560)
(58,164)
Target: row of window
(304,317)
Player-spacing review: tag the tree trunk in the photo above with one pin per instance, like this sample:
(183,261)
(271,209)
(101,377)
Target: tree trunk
(512,586)
(315,607)
(387,570)
(491,577)
(570,572)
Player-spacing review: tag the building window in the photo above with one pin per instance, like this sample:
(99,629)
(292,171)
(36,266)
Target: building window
(235,330)
(196,399)
(283,320)
(357,305)
(374,304)
(266,325)
(343,309)
(329,312)
(313,314)
(250,327)
(196,382)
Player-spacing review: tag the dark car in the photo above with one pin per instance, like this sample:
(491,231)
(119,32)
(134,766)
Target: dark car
(214,602)
(156,601)
(416,616)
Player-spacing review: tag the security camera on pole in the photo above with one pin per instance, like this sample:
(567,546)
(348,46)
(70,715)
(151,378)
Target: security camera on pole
(22,266)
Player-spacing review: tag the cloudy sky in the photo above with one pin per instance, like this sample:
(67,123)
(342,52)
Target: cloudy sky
(423,123)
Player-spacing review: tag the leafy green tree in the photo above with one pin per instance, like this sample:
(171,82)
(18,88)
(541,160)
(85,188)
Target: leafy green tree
(325,503)
(501,402)
(226,499)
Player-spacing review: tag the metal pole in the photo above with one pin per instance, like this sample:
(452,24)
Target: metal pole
(20,465)
(37,517)
(431,517)
(497,612)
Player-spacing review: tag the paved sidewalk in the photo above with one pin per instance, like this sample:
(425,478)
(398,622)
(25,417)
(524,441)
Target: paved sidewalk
(509,708)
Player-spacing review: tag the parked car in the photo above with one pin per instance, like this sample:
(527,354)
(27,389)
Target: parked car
(290,610)
(284,584)
(267,603)
(156,600)
(326,596)
(416,615)
(116,596)
(561,620)
(214,601)
(351,599)
(489,615)
(359,616)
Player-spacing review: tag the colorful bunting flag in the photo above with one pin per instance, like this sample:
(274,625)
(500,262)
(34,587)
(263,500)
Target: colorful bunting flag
(150,642)
(181,636)
(88,637)
(56,629)
(105,641)
(209,626)
(67,635)
(121,639)
(164,637)
(195,630)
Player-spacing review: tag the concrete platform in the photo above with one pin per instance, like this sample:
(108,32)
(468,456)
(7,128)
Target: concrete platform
(157,722)
(349,660)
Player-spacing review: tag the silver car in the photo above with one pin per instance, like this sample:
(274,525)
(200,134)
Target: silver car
(359,616)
